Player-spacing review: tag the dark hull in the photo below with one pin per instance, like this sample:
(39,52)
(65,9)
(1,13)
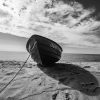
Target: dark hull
(45,51)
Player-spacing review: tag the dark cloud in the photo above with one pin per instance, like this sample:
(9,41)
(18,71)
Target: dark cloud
(94,32)
(93,41)
(65,16)
(3,13)
(65,1)
(86,5)
(91,4)
(97,33)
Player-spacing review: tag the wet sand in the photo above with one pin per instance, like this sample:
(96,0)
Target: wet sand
(74,81)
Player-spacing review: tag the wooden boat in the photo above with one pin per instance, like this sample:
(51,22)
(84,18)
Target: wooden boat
(43,50)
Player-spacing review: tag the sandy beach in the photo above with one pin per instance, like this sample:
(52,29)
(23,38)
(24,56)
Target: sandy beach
(56,82)
(63,35)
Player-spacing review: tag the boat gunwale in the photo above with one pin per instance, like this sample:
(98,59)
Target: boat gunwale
(44,38)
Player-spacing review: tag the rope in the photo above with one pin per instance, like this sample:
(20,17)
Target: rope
(17,72)
(14,76)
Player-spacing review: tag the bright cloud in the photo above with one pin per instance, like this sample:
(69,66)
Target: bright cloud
(68,23)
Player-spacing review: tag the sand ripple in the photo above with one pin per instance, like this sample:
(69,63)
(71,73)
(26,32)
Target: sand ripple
(33,84)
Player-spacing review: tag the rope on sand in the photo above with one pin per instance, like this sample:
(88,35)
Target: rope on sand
(14,76)
(18,71)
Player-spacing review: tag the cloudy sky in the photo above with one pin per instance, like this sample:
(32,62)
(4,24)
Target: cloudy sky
(75,24)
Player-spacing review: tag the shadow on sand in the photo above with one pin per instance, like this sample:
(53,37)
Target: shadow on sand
(73,76)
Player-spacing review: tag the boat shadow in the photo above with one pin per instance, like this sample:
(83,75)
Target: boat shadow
(73,76)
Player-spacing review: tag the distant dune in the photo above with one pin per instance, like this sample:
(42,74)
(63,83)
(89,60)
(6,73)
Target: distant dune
(8,55)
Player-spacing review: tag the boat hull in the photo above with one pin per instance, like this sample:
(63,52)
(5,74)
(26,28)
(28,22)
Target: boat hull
(43,50)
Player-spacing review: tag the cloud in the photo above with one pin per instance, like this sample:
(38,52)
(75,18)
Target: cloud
(3,13)
(90,3)
(65,21)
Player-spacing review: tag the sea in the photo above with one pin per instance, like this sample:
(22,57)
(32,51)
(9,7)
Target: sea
(69,57)
(66,57)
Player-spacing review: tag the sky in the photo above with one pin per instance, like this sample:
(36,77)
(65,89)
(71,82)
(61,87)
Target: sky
(75,24)
(12,43)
